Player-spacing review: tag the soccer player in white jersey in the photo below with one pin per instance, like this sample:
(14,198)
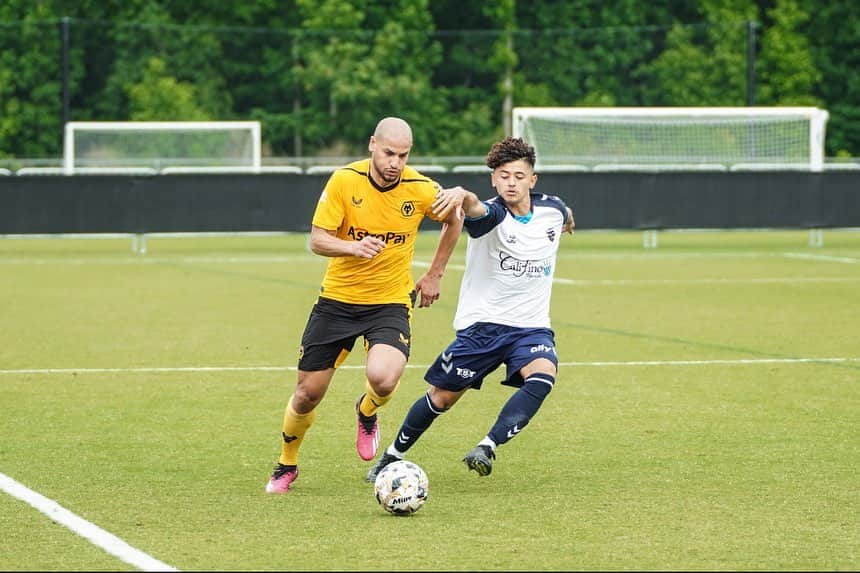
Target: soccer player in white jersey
(503,309)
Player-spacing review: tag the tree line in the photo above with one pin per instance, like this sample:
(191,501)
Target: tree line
(318,74)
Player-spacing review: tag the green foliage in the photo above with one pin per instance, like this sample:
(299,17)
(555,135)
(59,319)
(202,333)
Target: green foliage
(30,90)
(705,64)
(527,93)
(834,36)
(324,71)
(786,59)
(159,97)
(359,75)
(469,130)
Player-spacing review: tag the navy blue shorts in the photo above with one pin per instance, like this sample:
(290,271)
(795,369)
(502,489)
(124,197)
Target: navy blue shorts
(481,348)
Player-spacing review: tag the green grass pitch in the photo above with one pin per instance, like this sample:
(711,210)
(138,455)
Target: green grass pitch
(706,414)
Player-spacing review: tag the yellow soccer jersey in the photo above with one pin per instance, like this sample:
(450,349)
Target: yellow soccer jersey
(354,206)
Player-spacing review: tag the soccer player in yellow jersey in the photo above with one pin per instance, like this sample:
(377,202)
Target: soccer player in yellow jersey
(367,221)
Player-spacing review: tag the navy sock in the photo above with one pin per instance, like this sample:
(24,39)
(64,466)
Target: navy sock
(417,420)
(521,407)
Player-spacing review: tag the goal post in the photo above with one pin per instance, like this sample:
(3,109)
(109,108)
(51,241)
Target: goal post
(116,145)
(680,136)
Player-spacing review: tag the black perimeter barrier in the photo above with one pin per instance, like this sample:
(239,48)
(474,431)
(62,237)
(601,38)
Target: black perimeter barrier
(57,204)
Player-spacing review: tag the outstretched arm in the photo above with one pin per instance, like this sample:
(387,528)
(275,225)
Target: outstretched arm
(428,286)
(458,197)
(473,207)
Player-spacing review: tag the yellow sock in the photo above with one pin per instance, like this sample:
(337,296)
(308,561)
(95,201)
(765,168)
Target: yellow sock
(295,426)
(371,402)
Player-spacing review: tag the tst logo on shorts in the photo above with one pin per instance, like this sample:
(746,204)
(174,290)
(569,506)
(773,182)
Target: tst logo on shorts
(542,348)
(407,209)
(465,373)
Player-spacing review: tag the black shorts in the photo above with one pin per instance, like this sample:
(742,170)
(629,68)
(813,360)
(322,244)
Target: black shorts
(334,326)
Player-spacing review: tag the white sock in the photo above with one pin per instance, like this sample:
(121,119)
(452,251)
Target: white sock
(488,442)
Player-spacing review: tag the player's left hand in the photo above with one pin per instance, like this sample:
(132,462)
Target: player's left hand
(428,288)
(569,224)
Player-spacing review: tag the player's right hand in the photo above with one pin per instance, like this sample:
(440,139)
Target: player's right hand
(368,247)
(448,200)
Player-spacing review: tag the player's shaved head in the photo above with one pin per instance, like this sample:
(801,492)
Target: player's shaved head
(394,131)
(389,149)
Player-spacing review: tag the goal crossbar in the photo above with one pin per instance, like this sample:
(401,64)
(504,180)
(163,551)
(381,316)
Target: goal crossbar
(74,128)
(632,130)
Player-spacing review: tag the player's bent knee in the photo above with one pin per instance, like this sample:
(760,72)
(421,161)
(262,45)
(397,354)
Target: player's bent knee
(539,385)
(539,365)
(383,387)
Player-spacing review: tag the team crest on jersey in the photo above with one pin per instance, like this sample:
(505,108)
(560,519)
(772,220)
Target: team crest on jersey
(407,209)
(550,234)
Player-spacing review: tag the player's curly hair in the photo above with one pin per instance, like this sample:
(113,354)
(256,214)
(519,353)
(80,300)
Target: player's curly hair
(510,149)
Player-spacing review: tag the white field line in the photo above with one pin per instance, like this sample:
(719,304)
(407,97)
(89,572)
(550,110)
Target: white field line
(822,258)
(144,562)
(255,259)
(651,255)
(424,264)
(603,363)
(93,533)
(720,280)
(309,257)
(154,260)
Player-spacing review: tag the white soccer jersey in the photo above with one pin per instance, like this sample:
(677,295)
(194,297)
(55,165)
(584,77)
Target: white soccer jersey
(510,265)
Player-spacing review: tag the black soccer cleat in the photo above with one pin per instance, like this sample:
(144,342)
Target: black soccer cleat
(383,461)
(481,459)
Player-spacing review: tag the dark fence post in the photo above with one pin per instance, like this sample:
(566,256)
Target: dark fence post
(751,63)
(64,30)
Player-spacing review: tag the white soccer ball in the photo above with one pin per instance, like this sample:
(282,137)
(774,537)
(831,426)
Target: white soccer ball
(401,488)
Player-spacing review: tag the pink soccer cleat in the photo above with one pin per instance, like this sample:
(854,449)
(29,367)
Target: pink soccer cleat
(367,437)
(282,478)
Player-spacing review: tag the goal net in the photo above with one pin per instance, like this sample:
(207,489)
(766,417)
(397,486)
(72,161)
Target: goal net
(155,145)
(680,136)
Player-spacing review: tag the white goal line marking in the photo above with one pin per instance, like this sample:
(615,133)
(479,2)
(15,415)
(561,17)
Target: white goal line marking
(599,363)
(93,533)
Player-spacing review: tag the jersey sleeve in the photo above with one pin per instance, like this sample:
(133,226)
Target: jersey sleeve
(431,190)
(559,204)
(329,211)
(496,213)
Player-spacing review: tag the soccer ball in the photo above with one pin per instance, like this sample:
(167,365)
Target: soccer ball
(401,488)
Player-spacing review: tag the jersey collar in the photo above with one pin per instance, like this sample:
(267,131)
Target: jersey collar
(379,187)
